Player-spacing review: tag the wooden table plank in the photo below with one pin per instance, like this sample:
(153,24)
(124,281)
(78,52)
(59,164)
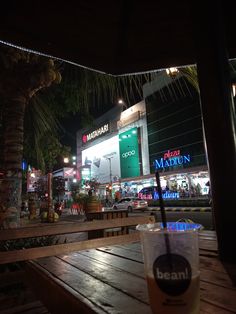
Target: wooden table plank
(118,262)
(212,263)
(112,274)
(219,296)
(123,252)
(208,308)
(97,291)
(111,279)
(217,278)
(215,281)
(57,296)
(132,246)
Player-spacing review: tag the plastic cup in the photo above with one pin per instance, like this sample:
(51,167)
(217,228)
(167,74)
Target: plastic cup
(171,263)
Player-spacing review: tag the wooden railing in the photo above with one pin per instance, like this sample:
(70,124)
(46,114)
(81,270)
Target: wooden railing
(63,229)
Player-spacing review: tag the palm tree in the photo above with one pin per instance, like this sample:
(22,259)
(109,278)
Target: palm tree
(41,133)
(22,75)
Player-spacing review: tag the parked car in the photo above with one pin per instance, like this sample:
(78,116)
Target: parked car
(148,190)
(131,203)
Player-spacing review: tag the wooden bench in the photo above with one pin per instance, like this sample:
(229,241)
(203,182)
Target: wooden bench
(68,228)
(107,215)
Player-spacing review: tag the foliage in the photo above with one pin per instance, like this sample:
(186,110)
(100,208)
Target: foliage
(22,71)
(23,75)
(52,149)
(93,185)
(41,187)
(80,198)
(41,134)
(82,90)
(190,73)
(21,244)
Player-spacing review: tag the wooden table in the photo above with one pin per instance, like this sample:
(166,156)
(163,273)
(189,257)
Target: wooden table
(111,280)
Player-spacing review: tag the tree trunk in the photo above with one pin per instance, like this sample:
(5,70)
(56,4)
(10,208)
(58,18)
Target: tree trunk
(10,188)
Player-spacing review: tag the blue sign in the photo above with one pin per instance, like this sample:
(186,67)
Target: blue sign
(24,165)
(170,162)
(166,195)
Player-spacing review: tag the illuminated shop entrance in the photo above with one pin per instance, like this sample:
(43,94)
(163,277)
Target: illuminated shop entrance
(174,186)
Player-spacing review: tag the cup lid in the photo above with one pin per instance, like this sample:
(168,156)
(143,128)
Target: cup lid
(171,227)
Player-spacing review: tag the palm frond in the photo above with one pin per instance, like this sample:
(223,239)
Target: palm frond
(190,73)
(39,120)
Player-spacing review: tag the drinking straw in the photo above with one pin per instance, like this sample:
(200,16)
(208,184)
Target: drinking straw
(161,202)
(163,216)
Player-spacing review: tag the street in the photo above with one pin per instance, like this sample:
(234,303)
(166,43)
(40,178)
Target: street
(203,218)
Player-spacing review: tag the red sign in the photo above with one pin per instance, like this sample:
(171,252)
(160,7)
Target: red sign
(68,172)
(170,154)
(84,138)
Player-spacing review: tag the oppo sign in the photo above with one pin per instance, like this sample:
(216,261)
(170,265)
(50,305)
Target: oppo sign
(128,154)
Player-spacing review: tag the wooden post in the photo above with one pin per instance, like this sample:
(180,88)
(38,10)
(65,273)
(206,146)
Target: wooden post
(218,115)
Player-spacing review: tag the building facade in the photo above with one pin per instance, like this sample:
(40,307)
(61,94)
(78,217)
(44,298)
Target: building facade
(115,148)
(175,136)
(162,133)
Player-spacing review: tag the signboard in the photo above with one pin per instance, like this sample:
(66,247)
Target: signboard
(68,172)
(129,153)
(94,134)
(155,196)
(171,159)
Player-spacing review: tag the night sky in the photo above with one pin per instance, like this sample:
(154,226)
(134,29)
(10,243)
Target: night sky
(74,122)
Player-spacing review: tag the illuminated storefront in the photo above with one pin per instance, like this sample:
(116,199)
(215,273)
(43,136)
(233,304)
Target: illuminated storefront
(175,138)
(175,142)
(97,158)
(125,148)
(112,150)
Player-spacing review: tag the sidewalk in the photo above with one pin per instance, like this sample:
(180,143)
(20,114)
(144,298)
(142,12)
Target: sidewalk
(182,209)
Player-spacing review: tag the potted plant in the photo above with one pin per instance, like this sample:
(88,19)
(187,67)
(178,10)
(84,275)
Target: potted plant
(93,204)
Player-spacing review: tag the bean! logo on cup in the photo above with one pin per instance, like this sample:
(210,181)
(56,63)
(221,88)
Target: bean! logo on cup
(172,273)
